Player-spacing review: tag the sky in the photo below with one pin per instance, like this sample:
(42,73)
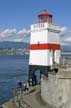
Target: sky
(16,17)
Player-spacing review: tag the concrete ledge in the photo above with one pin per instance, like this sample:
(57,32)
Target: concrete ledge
(56,89)
(64,74)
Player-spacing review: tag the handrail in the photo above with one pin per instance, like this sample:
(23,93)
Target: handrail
(26,104)
(16,93)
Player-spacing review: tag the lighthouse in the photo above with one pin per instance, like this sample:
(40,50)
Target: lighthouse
(44,45)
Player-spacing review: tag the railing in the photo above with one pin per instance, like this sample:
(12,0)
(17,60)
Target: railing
(66,61)
(18,99)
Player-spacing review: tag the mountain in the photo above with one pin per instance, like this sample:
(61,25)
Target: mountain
(66,48)
(16,45)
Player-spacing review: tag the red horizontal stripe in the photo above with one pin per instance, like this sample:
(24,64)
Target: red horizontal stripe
(44,46)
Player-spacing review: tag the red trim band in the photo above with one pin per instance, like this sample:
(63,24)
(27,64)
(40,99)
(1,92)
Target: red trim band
(44,46)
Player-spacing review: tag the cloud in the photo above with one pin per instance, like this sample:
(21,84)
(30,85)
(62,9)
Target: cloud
(14,35)
(64,31)
(65,36)
(23,35)
(7,33)
(20,32)
(67,39)
(65,43)
(18,40)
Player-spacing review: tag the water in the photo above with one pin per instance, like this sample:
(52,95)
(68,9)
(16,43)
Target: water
(66,55)
(12,69)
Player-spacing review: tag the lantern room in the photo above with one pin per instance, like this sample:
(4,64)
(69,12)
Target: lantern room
(45,17)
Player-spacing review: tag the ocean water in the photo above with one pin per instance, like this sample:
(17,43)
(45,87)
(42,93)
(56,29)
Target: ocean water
(12,69)
(66,55)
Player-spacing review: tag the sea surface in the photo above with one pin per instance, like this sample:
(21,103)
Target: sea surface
(12,69)
(66,56)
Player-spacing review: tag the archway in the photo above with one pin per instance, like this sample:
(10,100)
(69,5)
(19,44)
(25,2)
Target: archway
(37,77)
(36,71)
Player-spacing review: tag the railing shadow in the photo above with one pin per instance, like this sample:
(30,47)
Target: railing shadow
(18,98)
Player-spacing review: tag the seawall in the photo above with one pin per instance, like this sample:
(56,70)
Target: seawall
(56,89)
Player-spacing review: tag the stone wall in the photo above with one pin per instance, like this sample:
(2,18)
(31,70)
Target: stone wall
(65,61)
(56,89)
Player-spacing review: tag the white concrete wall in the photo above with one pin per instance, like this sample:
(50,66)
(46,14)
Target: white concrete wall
(43,57)
(57,56)
(44,35)
(38,57)
(39,36)
(41,33)
(53,37)
(50,58)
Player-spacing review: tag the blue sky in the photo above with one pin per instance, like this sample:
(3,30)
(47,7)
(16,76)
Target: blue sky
(16,16)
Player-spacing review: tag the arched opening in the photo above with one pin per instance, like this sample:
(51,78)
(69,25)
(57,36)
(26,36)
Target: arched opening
(38,76)
(36,79)
(35,73)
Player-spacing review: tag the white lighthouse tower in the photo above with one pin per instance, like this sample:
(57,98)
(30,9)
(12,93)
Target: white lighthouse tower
(44,44)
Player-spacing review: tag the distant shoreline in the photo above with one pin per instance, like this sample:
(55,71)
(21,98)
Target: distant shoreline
(66,53)
(13,51)
(20,51)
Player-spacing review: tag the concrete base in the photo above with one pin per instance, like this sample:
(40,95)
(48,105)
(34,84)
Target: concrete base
(56,89)
(33,68)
